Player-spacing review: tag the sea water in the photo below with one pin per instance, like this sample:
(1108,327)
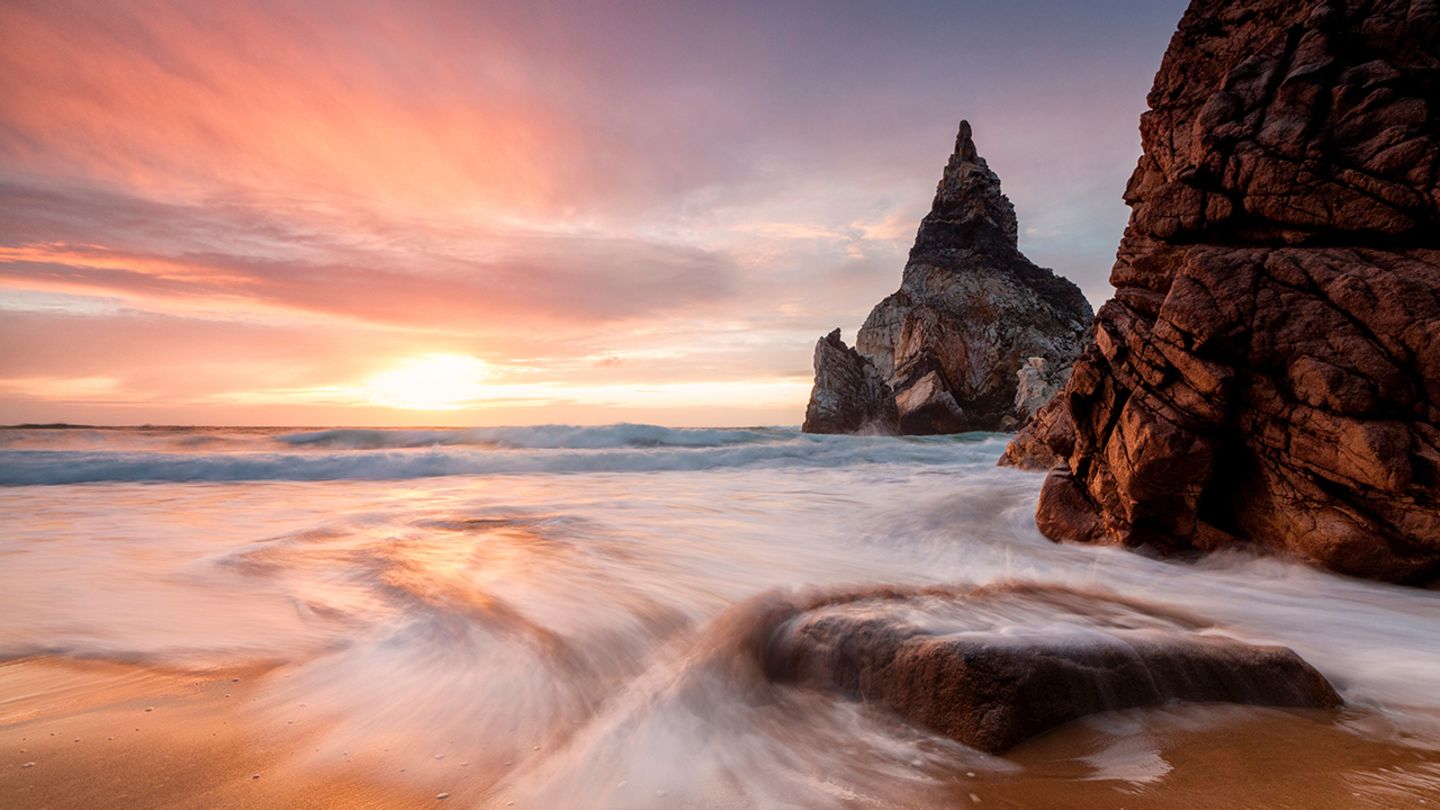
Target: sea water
(560,605)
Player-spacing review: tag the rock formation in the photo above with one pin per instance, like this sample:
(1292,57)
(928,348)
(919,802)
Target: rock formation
(1268,371)
(971,317)
(849,396)
(1031,449)
(991,668)
(1037,385)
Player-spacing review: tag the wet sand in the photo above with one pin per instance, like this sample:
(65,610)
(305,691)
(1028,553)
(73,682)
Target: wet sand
(118,736)
(124,736)
(1217,757)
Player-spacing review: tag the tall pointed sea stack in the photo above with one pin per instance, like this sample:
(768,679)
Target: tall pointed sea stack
(972,318)
(1268,371)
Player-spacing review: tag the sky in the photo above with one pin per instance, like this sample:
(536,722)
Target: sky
(365,213)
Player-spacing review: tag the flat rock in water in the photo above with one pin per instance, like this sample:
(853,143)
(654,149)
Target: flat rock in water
(991,668)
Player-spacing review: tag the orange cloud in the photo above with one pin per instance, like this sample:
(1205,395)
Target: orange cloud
(241,96)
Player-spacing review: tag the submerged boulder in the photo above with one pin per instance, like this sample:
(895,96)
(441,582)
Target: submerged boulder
(994,667)
(1268,371)
(973,318)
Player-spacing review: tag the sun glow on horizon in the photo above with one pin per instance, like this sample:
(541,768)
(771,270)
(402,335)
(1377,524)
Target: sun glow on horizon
(430,382)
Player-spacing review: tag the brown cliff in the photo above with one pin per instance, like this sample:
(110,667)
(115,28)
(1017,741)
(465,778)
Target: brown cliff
(1268,371)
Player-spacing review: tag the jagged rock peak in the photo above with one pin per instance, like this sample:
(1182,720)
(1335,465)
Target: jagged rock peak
(965,150)
(972,317)
(970,211)
(849,396)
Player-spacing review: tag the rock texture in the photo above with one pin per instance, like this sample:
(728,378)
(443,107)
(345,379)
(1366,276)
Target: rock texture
(1039,381)
(1032,448)
(936,659)
(955,340)
(1268,371)
(849,395)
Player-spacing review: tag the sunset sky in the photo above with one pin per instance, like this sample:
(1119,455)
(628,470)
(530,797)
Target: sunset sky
(494,213)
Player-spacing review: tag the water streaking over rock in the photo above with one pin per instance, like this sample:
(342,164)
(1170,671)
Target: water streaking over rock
(992,667)
(568,637)
(976,338)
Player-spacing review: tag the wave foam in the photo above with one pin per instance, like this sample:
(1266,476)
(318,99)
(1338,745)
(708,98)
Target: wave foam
(580,450)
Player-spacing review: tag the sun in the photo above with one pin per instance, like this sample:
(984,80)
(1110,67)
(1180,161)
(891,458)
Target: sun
(430,382)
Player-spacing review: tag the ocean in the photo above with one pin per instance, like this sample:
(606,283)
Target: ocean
(559,607)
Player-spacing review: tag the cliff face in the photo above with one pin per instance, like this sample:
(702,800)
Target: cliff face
(1269,368)
(955,340)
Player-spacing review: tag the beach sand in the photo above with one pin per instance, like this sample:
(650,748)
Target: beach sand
(105,735)
(109,735)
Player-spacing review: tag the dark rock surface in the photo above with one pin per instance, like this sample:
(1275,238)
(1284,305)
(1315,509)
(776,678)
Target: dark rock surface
(954,342)
(849,395)
(966,664)
(1268,371)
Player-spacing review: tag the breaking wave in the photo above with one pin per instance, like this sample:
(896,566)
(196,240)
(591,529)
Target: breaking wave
(374,454)
(534,437)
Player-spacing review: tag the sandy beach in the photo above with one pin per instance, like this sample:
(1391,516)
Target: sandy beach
(115,735)
(125,736)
